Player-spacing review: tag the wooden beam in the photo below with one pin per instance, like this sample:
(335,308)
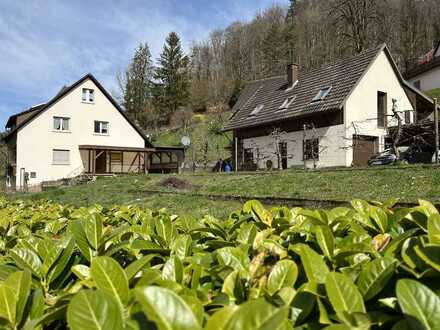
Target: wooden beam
(122,162)
(94,161)
(96,156)
(436,131)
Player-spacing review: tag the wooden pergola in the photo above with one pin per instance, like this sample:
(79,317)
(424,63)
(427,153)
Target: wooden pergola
(104,160)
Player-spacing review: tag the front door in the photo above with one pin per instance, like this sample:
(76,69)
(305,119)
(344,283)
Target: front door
(283,155)
(363,148)
(101,162)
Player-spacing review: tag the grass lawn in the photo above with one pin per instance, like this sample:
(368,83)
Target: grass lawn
(408,185)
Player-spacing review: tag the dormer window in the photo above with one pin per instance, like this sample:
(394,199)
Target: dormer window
(323,92)
(257,109)
(88,95)
(286,104)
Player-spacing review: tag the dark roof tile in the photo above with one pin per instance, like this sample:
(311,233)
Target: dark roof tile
(341,76)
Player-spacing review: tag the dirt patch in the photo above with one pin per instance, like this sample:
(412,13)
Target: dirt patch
(175,183)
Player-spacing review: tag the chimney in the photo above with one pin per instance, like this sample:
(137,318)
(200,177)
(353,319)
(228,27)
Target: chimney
(292,73)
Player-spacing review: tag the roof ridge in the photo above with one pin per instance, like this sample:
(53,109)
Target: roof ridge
(327,65)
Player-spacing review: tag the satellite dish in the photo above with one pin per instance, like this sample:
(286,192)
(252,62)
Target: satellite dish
(186,141)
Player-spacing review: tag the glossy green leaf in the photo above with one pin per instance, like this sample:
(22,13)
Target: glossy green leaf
(80,237)
(93,228)
(257,315)
(375,275)
(420,305)
(173,270)
(220,318)
(325,239)
(166,309)
(94,310)
(343,294)
(434,229)
(27,260)
(137,265)
(430,255)
(110,278)
(8,303)
(283,274)
(314,265)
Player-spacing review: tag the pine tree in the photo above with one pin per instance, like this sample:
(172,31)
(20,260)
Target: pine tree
(291,12)
(274,51)
(290,31)
(136,84)
(172,75)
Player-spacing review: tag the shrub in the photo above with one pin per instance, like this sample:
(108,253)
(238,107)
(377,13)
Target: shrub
(369,266)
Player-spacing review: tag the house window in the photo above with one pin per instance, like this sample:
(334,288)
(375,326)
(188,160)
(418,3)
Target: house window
(61,157)
(407,117)
(33,175)
(101,127)
(88,95)
(381,109)
(61,123)
(322,94)
(417,84)
(287,103)
(311,149)
(248,156)
(257,109)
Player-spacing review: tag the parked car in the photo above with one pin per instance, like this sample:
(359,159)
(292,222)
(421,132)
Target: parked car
(386,157)
(407,154)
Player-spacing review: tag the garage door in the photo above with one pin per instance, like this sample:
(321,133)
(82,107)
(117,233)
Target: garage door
(363,148)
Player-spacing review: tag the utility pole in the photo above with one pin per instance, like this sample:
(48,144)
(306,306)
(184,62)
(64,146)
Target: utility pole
(304,145)
(236,153)
(436,131)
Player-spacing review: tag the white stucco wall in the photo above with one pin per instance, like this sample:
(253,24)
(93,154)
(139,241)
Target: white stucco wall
(36,140)
(428,80)
(361,105)
(331,142)
(360,110)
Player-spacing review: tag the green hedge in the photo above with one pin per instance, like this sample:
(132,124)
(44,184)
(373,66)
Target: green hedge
(369,266)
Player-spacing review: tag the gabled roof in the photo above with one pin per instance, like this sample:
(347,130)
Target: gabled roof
(64,91)
(342,76)
(13,118)
(425,63)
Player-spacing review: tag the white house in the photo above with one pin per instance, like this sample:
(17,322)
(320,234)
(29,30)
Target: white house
(81,130)
(333,116)
(425,74)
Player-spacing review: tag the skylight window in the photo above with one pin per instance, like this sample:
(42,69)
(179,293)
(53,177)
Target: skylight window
(257,109)
(323,92)
(287,102)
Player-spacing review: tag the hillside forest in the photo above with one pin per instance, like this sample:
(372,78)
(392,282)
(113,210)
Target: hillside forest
(177,91)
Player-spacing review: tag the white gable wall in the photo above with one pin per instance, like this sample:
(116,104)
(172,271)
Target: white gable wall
(336,145)
(361,105)
(428,80)
(36,140)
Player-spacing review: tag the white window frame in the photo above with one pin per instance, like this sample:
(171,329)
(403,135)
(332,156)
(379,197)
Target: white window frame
(101,123)
(62,120)
(287,102)
(322,95)
(60,162)
(257,110)
(88,95)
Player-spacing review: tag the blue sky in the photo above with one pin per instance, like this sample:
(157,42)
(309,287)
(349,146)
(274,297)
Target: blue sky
(45,44)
